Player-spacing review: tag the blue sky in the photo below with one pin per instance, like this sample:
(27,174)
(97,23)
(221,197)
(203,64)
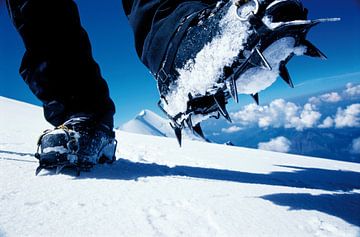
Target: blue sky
(133,88)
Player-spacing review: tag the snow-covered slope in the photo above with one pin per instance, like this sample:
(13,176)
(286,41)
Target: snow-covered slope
(149,123)
(156,188)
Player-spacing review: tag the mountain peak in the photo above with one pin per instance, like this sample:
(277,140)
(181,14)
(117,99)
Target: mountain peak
(148,122)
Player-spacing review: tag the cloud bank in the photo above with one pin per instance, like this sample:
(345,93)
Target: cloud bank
(279,144)
(280,113)
(231,129)
(352,90)
(332,97)
(349,117)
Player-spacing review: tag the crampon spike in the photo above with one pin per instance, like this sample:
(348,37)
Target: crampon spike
(38,170)
(177,131)
(284,74)
(222,108)
(189,123)
(256,98)
(198,130)
(312,51)
(190,96)
(258,59)
(233,89)
(178,135)
(304,25)
(59,168)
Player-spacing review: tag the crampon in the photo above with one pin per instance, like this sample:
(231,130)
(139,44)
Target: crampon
(269,25)
(78,145)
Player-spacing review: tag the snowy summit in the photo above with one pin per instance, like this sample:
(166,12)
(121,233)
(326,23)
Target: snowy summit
(149,123)
(156,188)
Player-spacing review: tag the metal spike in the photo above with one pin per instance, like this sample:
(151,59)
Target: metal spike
(178,135)
(198,130)
(222,108)
(189,123)
(258,59)
(38,170)
(284,74)
(233,89)
(302,25)
(256,98)
(190,96)
(305,25)
(59,168)
(312,51)
(177,131)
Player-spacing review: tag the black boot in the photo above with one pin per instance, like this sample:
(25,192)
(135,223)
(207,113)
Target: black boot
(234,47)
(79,143)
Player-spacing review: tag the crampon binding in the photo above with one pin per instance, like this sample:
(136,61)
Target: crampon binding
(70,146)
(265,32)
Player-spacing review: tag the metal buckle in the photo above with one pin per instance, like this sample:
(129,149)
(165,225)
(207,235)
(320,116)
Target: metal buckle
(247,8)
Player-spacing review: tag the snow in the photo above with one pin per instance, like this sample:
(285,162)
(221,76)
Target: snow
(257,79)
(201,73)
(149,123)
(59,149)
(156,188)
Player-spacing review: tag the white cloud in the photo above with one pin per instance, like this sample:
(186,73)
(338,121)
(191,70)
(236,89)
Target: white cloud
(331,97)
(308,118)
(279,144)
(231,129)
(352,90)
(327,123)
(283,114)
(356,146)
(279,113)
(349,117)
(314,100)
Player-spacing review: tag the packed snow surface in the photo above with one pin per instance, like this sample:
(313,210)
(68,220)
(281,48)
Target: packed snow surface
(156,188)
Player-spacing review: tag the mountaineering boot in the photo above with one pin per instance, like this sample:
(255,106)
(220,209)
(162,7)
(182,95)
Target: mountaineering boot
(233,47)
(79,143)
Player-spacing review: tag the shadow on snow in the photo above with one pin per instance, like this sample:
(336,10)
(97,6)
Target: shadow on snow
(343,205)
(299,177)
(18,154)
